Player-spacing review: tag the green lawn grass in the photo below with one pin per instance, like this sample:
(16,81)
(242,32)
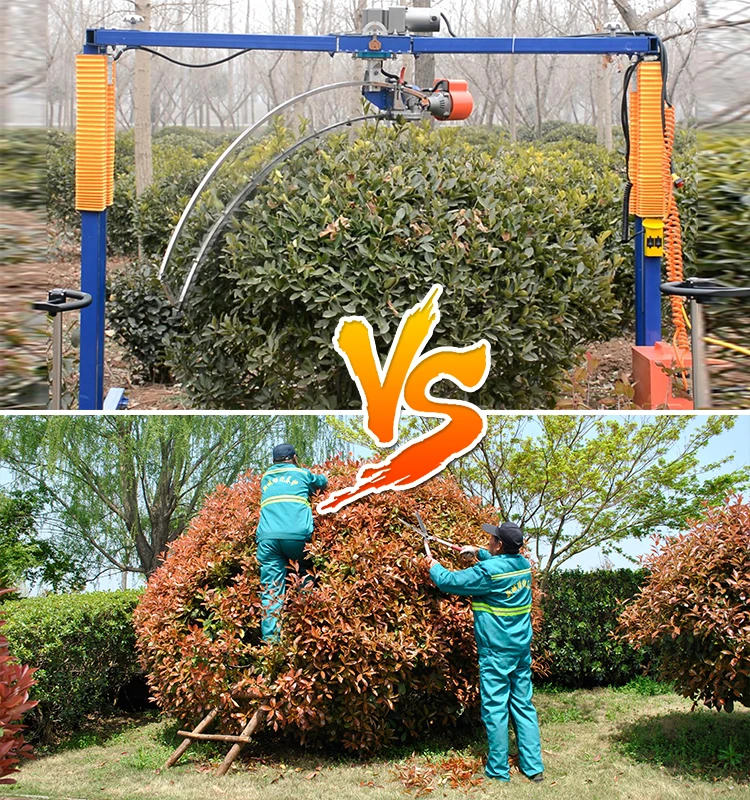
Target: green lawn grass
(641,742)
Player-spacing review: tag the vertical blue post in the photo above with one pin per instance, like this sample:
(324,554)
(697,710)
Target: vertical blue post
(647,294)
(93,281)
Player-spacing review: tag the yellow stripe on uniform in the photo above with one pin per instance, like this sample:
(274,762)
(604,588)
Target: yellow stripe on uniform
(511,574)
(501,612)
(285,498)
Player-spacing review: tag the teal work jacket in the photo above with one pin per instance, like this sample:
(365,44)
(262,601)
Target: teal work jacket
(285,507)
(500,588)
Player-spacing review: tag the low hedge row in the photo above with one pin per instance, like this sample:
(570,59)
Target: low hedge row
(580,615)
(84,644)
(84,647)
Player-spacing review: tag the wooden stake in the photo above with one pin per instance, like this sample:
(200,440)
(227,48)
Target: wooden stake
(214,737)
(201,726)
(247,732)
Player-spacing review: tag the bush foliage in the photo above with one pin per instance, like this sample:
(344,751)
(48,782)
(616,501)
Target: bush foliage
(578,622)
(724,225)
(15,683)
(83,646)
(144,319)
(694,609)
(348,229)
(22,160)
(372,654)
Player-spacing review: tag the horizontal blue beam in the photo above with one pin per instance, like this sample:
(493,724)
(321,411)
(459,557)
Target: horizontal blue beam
(573,45)
(581,45)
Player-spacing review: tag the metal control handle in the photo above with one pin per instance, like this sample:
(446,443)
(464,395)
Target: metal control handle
(56,304)
(57,301)
(700,291)
(703,289)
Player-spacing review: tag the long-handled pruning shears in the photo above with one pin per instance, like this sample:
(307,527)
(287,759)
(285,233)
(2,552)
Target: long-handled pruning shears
(422,530)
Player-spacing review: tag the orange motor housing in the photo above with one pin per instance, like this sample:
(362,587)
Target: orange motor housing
(451,100)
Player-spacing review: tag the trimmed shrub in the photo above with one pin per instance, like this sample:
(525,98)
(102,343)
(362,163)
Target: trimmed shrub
(143,318)
(578,623)
(724,207)
(348,229)
(371,654)
(694,609)
(15,682)
(84,648)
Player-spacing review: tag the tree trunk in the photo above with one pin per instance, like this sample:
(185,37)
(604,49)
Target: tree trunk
(512,75)
(298,64)
(142,106)
(424,66)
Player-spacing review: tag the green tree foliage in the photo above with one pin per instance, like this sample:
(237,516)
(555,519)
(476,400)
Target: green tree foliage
(122,487)
(693,609)
(577,482)
(27,556)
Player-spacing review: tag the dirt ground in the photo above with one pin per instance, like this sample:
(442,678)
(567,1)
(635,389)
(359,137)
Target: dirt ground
(602,380)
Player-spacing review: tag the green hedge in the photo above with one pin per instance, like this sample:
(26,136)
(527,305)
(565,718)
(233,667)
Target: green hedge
(22,161)
(84,646)
(580,614)
(723,242)
(180,159)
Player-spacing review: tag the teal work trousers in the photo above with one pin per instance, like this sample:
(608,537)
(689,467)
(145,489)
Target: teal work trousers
(274,557)
(505,687)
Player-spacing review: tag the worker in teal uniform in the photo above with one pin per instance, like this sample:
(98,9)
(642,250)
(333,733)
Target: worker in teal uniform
(284,528)
(500,588)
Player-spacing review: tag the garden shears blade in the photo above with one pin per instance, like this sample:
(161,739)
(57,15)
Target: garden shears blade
(425,535)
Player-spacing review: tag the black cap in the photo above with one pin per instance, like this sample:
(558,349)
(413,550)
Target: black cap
(283,452)
(509,534)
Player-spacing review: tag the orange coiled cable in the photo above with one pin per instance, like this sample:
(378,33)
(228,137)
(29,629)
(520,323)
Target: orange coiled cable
(673,235)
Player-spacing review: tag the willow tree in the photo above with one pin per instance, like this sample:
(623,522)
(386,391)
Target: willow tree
(122,487)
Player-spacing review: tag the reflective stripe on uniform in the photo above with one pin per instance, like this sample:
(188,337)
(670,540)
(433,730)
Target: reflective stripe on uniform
(285,498)
(273,471)
(510,574)
(501,612)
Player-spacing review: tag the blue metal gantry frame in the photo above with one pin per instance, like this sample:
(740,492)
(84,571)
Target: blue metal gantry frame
(94,223)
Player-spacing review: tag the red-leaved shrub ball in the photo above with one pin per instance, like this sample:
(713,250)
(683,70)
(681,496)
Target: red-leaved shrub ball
(372,653)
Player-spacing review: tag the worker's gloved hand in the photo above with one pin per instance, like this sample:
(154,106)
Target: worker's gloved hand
(469,552)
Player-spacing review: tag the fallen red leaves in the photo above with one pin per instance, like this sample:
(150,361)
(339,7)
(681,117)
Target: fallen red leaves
(456,772)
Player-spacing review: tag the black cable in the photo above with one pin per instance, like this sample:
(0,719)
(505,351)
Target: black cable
(448,25)
(625,122)
(187,64)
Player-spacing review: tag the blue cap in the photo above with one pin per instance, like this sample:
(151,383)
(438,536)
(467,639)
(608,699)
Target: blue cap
(283,452)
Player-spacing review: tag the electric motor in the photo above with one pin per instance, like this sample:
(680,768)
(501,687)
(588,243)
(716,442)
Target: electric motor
(450,100)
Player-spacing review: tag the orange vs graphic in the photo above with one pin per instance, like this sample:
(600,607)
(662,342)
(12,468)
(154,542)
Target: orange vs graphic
(405,382)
